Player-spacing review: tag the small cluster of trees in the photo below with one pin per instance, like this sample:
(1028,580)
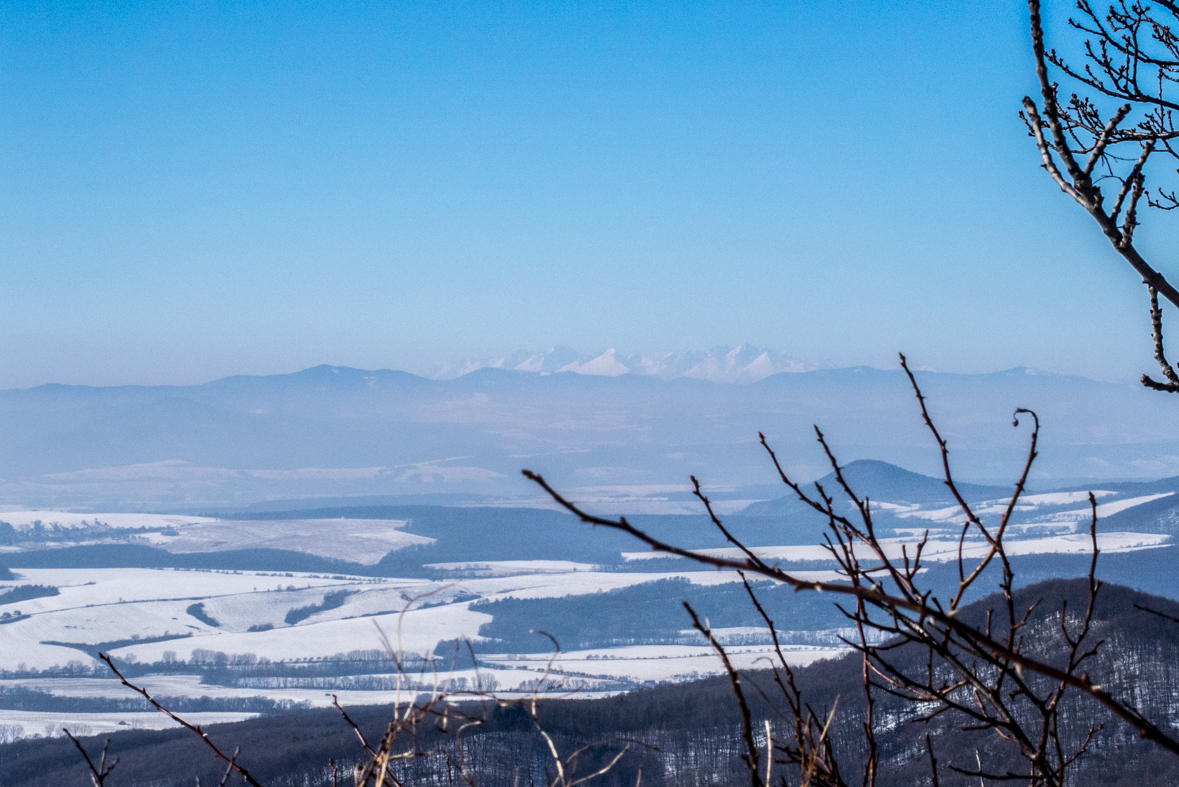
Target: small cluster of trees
(39,532)
(27,592)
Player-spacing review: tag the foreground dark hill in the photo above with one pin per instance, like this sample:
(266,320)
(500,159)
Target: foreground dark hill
(333,431)
(690,732)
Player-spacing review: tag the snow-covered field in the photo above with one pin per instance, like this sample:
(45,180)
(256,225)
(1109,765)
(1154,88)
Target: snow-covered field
(115,606)
(49,725)
(308,621)
(25,519)
(941,549)
(1032,504)
(363,541)
(661,663)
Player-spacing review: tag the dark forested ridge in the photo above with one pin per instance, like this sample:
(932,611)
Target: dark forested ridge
(695,725)
(650,613)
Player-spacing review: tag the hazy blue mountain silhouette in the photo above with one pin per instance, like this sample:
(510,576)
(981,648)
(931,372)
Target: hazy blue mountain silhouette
(882,482)
(231,440)
(878,480)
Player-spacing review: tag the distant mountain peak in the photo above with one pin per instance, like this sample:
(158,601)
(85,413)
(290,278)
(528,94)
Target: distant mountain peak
(742,363)
(883,482)
(605,365)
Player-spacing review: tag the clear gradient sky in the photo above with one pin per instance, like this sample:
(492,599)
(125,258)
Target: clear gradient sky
(191,190)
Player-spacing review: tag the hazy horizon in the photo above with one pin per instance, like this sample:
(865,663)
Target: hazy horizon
(198,192)
(451,368)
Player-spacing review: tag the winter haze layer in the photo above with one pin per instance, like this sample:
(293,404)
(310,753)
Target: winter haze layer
(624,439)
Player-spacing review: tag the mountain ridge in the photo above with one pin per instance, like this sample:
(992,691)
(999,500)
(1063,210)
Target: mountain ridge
(324,372)
(603,432)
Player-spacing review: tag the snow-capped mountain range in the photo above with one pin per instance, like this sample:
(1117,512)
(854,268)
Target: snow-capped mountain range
(742,363)
(334,431)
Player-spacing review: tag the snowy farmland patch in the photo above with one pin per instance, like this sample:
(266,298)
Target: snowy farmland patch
(25,520)
(1103,510)
(1061,498)
(582,583)
(941,549)
(660,663)
(363,541)
(250,611)
(92,586)
(1034,506)
(416,631)
(498,568)
(414,615)
(106,605)
(46,724)
(160,685)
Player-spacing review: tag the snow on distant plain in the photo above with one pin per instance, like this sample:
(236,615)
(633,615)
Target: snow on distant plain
(82,586)
(939,549)
(1062,498)
(84,724)
(1105,509)
(514,567)
(1031,503)
(741,363)
(363,541)
(665,662)
(416,631)
(23,520)
(191,686)
(106,605)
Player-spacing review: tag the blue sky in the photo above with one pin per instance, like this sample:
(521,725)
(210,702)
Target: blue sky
(191,190)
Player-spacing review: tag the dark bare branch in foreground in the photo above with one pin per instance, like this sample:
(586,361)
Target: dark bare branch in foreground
(752,756)
(985,675)
(352,724)
(1131,61)
(1162,615)
(98,773)
(231,762)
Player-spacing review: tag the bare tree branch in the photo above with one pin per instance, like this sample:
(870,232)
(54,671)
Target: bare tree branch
(1125,45)
(194,728)
(98,773)
(752,756)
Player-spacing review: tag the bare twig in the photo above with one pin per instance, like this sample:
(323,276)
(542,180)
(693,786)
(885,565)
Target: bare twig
(98,773)
(752,756)
(194,728)
(1118,44)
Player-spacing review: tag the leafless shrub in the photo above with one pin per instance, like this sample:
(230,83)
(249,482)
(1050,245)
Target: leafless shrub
(993,674)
